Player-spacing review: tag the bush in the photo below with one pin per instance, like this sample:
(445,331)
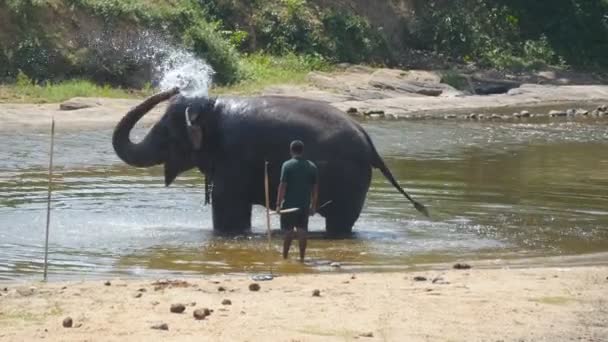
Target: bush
(516,34)
(289,28)
(120,45)
(26,89)
(261,70)
(352,39)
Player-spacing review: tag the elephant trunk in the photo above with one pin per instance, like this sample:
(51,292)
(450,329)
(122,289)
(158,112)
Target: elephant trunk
(143,154)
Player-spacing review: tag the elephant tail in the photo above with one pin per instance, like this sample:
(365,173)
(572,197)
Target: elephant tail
(378,163)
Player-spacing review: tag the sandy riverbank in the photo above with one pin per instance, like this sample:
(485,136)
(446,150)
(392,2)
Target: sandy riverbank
(395,93)
(529,304)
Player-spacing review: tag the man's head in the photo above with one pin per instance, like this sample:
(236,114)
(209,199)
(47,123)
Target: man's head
(297,148)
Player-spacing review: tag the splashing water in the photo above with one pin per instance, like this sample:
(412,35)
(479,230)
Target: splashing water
(168,66)
(184,70)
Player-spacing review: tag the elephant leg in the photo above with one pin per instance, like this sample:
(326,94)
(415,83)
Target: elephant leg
(347,190)
(231,217)
(231,202)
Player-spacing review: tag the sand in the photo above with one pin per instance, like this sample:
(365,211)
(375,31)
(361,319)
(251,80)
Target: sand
(530,304)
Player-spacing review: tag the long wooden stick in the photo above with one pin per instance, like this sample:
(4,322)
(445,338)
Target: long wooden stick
(267,189)
(48,203)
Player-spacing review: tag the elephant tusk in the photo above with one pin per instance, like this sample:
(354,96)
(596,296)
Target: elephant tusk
(187,114)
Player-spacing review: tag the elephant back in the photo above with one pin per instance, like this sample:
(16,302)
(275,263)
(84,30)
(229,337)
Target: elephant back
(255,127)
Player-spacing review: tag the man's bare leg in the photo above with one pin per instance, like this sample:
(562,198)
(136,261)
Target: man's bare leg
(287,242)
(302,240)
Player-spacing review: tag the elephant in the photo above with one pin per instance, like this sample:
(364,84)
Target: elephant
(232,140)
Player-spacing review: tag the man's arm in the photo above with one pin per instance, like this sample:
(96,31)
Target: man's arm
(314,199)
(282,187)
(281,194)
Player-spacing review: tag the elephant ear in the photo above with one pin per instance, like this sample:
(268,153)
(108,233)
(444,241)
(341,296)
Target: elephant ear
(175,164)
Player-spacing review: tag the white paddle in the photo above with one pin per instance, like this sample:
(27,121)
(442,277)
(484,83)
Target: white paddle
(285,211)
(293,210)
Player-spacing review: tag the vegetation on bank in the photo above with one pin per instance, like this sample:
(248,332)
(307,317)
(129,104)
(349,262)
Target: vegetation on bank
(516,34)
(260,70)
(251,44)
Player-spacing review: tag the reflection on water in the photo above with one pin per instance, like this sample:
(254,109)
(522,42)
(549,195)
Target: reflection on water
(494,190)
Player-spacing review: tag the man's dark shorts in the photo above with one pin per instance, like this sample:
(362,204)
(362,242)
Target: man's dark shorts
(298,219)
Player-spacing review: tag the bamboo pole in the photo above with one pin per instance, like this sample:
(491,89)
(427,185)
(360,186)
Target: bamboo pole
(48,203)
(267,190)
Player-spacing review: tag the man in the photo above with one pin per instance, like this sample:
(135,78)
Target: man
(298,189)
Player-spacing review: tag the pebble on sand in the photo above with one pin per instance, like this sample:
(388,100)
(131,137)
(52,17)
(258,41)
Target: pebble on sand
(419,278)
(200,314)
(460,266)
(221,289)
(107,283)
(68,322)
(138,295)
(226,302)
(367,334)
(160,326)
(316,293)
(254,287)
(177,308)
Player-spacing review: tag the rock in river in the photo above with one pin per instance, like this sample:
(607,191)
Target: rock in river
(556,113)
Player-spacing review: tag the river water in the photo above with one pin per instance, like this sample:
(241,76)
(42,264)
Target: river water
(494,190)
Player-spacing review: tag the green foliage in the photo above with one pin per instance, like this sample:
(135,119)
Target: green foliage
(577,30)
(25,89)
(262,70)
(206,43)
(352,39)
(518,34)
(287,28)
(282,27)
(117,52)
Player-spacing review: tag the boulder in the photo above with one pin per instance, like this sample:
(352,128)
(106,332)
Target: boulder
(487,86)
(417,82)
(557,113)
(79,103)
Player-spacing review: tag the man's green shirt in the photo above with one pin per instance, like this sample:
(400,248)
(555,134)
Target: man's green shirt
(300,175)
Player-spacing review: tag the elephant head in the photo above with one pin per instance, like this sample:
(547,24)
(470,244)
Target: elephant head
(172,141)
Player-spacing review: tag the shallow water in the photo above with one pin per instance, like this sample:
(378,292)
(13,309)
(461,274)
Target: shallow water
(495,190)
